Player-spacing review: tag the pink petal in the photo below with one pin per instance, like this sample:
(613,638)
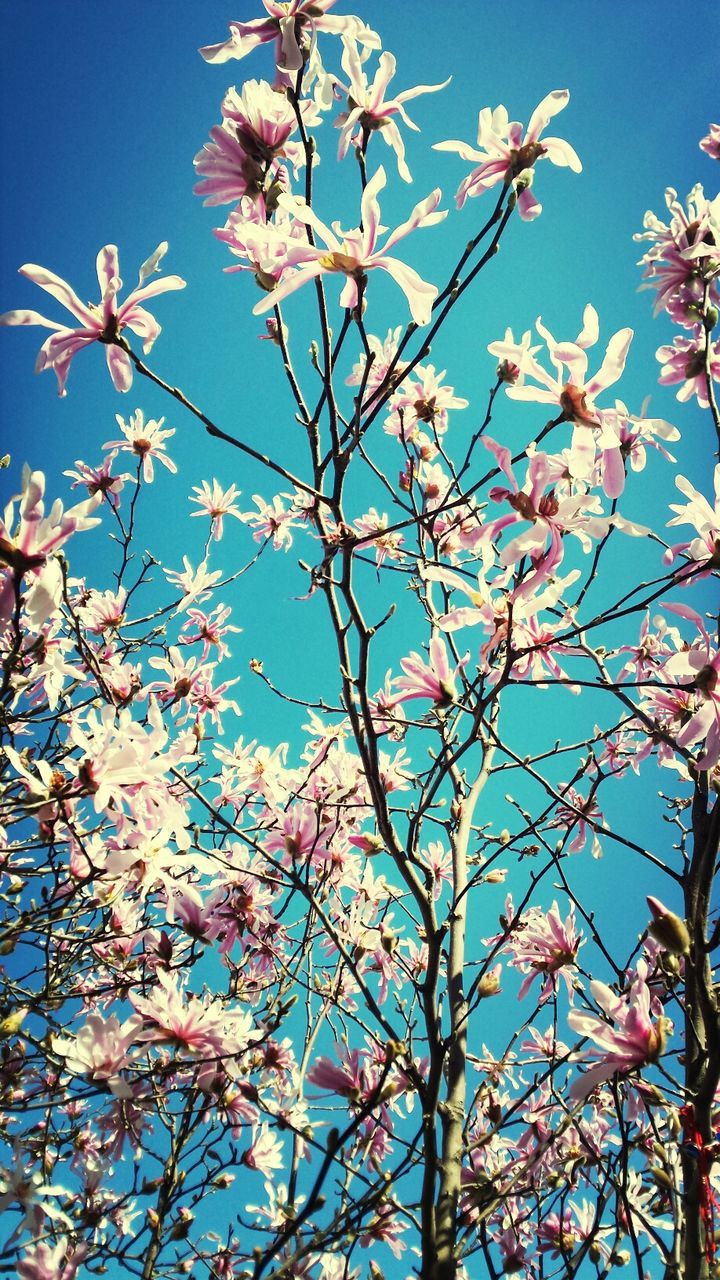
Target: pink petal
(61,290)
(118,363)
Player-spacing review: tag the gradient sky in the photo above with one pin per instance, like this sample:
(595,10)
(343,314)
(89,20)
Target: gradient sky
(103,109)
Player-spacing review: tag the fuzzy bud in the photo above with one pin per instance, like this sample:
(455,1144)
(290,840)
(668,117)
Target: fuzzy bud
(668,929)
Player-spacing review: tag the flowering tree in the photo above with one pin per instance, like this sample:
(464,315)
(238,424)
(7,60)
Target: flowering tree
(248,1022)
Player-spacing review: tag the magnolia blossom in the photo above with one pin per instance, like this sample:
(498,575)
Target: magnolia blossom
(27,544)
(146,440)
(369,111)
(196,584)
(508,155)
(100,479)
(210,629)
(273,521)
(244,154)
(541,944)
(103,611)
(697,511)
(121,757)
(42,1261)
(192,1024)
(547,516)
(345,1075)
(216,502)
(572,392)
(372,528)
(682,261)
(628,1036)
(353,253)
(430,679)
(384,353)
(422,401)
(262,245)
(710,144)
(25,1188)
(102,322)
(101,1050)
(699,665)
(265,1152)
(686,363)
(289,24)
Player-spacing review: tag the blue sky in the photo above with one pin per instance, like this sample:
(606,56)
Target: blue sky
(103,110)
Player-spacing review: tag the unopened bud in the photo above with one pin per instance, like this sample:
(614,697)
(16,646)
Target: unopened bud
(668,929)
(496,876)
(489,985)
(508,371)
(10,1025)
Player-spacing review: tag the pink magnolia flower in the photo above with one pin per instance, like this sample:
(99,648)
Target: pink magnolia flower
(196,584)
(193,1024)
(265,1152)
(182,675)
(684,363)
(120,757)
(354,253)
(261,245)
(701,666)
(710,144)
(637,433)
(100,479)
(385,1226)
(103,611)
(101,1050)
(302,834)
(216,502)
(244,153)
(344,1076)
(651,650)
(272,521)
(101,322)
(210,629)
(627,1037)
(546,515)
(583,813)
(42,1261)
(422,401)
(372,530)
(507,155)
(369,111)
(542,944)
(383,353)
(560,1235)
(682,261)
(571,391)
(28,541)
(290,25)
(430,679)
(697,511)
(144,439)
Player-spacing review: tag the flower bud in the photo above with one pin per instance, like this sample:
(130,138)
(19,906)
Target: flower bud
(668,929)
(489,985)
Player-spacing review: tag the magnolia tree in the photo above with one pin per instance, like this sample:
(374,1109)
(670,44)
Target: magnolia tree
(250,1010)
